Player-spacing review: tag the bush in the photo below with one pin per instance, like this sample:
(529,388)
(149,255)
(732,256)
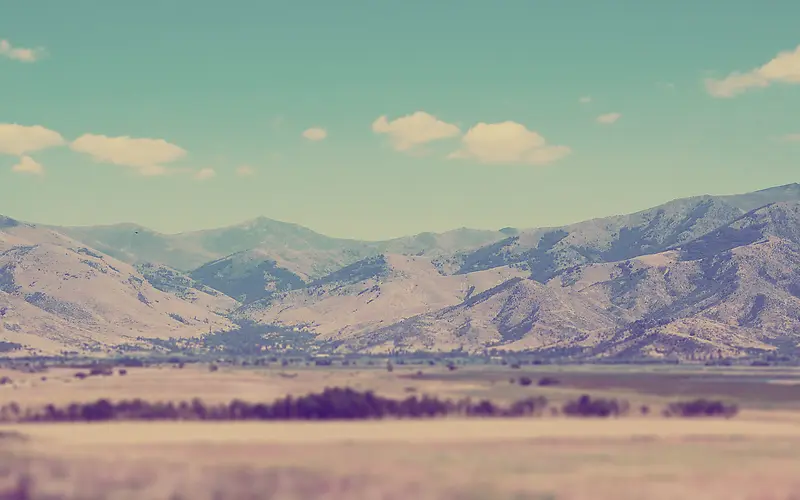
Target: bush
(701,408)
(585,406)
(545,381)
(212,367)
(122,371)
(101,371)
(525,381)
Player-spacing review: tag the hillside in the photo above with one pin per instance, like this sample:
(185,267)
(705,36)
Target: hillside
(292,247)
(59,295)
(548,252)
(373,292)
(699,278)
(732,291)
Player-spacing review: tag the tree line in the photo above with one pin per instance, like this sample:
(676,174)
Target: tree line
(338,404)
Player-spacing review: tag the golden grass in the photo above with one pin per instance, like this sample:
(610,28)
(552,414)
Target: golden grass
(490,459)
(754,456)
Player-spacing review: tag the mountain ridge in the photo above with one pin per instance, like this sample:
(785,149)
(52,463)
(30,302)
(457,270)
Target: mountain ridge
(696,277)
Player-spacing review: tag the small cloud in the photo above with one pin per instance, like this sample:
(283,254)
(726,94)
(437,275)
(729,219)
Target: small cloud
(790,138)
(28,165)
(666,85)
(147,156)
(19,140)
(245,171)
(507,143)
(609,118)
(585,99)
(20,54)
(783,68)
(204,174)
(413,130)
(315,134)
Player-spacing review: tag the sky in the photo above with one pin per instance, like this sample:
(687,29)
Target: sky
(373,119)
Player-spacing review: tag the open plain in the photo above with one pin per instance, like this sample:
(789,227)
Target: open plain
(754,455)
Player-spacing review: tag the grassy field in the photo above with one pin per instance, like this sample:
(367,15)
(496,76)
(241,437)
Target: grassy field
(753,456)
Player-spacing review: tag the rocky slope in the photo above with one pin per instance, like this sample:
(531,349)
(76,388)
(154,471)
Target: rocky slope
(58,295)
(548,252)
(732,291)
(700,277)
(371,293)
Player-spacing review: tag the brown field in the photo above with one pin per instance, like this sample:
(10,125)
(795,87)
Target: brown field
(753,456)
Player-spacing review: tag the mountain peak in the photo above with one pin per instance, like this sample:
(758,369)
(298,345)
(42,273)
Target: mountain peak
(6,222)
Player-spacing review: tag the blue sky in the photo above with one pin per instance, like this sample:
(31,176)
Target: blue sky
(229,89)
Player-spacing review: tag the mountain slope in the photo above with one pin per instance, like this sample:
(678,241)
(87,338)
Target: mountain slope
(516,314)
(184,287)
(548,252)
(291,246)
(84,298)
(732,291)
(370,293)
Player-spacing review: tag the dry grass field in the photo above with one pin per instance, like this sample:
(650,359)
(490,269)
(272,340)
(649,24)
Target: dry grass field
(753,456)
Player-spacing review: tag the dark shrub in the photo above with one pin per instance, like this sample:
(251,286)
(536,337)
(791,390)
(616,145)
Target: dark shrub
(585,406)
(212,367)
(644,410)
(81,375)
(323,362)
(101,371)
(122,371)
(452,367)
(389,366)
(545,381)
(5,380)
(701,408)
(515,366)
(525,381)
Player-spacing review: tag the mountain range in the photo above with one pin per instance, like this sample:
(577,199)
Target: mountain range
(699,277)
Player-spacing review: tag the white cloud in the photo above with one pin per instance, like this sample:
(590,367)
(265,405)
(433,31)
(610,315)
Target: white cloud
(204,174)
(507,143)
(412,130)
(585,99)
(790,138)
(18,140)
(18,53)
(783,68)
(245,171)
(28,165)
(315,134)
(145,155)
(609,118)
